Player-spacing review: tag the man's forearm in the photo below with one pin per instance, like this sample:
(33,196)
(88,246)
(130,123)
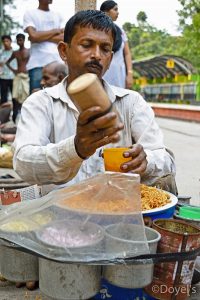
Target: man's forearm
(42,36)
(8,65)
(54,163)
(57,38)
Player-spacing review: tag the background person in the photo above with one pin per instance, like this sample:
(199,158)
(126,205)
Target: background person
(44,29)
(6,75)
(120,71)
(21,79)
(53,73)
(56,144)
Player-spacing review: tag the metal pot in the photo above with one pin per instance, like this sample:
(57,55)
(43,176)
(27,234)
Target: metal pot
(18,266)
(60,281)
(131,276)
(176,277)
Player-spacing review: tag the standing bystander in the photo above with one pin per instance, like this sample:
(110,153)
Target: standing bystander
(6,76)
(120,71)
(21,80)
(44,29)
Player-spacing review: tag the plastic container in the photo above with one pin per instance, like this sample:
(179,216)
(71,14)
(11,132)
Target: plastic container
(190,212)
(113,158)
(164,212)
(110,291)
(188,220)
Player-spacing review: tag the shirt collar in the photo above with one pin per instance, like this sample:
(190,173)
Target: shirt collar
(59,92)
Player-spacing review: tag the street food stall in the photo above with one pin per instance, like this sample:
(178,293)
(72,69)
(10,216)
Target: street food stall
(89,240)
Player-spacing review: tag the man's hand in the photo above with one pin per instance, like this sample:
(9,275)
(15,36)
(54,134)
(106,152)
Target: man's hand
(91,135)
(129,81)
(138,164)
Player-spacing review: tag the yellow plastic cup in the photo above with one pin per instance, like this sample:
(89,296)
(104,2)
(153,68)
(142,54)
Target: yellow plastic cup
(113,158)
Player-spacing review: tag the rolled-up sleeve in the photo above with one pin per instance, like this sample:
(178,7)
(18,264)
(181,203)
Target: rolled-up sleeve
(37,158)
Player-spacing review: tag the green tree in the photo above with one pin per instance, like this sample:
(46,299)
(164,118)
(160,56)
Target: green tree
(189,8)
(190,24)
(145,40)
(7,23)
(141,18)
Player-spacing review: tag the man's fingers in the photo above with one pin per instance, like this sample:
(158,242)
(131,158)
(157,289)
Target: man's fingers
(138,163)
(107,140)
(105,121)
(141,169)
(103,133)
(87,114)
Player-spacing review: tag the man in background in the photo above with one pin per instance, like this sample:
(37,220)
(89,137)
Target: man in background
(6,75)
(21,80)
(53,73)
(44,29)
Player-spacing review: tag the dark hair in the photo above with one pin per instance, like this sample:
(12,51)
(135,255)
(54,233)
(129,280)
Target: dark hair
(118,39)
(107,5)
(20,36)
(6,37)
(88,18)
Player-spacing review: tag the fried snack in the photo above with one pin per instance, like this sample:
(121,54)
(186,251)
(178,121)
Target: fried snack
(106,204)
(115,203)
(152,197)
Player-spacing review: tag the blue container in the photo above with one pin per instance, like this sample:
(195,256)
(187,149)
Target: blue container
(112,292)
(163,214)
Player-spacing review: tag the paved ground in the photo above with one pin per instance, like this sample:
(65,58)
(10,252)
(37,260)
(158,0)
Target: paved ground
(184,139)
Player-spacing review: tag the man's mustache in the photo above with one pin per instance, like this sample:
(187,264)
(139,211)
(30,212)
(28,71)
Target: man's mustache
(94,63)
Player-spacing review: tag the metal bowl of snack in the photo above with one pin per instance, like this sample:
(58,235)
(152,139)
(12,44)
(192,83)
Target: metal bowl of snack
(70,280)
(16,265)
(127,239)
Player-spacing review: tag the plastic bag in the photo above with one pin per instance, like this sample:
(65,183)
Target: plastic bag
(96,221)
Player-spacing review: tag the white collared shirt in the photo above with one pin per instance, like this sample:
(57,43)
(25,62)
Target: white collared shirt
(44,143)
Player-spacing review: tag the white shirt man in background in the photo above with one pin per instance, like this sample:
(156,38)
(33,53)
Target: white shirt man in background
(44,29)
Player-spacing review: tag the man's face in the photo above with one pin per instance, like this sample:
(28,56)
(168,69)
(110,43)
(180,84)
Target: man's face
(20,41)
(45,2)
(7,44)
(49,78)
(90,51)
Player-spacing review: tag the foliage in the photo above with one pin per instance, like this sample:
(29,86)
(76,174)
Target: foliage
(142,18)
(189,8)
(146,41)
(8,24)
(190,24)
